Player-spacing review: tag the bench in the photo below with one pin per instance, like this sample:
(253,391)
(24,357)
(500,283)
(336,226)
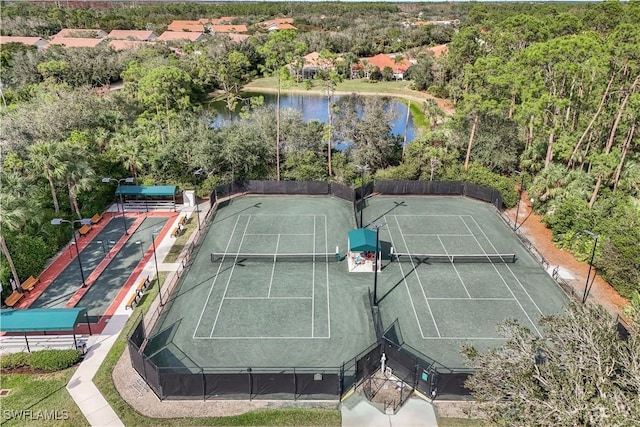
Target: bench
(182,220)
(176,232)
(13,298)
(30,283)
(133,301)
(96,218)
(142,285)
(84,229)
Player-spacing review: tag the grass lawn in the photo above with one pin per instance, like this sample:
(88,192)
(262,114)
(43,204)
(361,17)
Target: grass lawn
(460,422)
(284,417)
(398,88)
(181,241)
(37,399)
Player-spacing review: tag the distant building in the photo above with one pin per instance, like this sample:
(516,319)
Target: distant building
(129,44)
(186,26)
(28,41)
(81,33)
(179,35)
(383,60)
(73,42)
(228,29)
(278,24)
(132,35)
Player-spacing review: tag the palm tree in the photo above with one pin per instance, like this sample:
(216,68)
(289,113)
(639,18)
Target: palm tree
(128,148)
(45,158)
(79,174)
(16,211)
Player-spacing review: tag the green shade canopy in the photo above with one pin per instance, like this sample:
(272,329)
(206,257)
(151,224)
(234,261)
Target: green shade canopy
(147,190)
(40,319)
(362,239)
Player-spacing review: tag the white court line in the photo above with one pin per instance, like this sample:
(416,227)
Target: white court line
(206,302)
(465,338)
(407,285)
(273,298)
(226,288)
(273,269)
(278,234)
(261,338)
(326,245)
(455,269)
(472,299)
(511,271)
(313,278)
(437,234)
(499,274)
(443,215)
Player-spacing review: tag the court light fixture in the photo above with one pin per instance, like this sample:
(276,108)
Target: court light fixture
(515,223)
(196,175)
(128,180)
(376,260)
(83,221)
(587,285)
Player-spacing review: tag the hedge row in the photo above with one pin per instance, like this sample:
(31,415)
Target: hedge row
(46,360)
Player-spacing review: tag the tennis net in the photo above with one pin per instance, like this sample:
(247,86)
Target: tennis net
(301,257)
(459,258)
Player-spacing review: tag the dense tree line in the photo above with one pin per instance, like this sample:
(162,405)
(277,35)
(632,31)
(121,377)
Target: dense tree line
(550,90)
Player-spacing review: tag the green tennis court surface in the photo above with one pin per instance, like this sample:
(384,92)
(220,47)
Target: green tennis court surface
(441,306)
(261,313)
(235,310)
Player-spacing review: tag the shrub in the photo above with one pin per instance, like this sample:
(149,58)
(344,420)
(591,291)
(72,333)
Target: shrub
(14,360)
(54,360)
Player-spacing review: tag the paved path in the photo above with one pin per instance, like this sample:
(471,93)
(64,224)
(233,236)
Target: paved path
(92,404)
(416,412)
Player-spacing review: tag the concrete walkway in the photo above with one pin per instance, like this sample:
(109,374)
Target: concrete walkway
(357,412)
(92,404)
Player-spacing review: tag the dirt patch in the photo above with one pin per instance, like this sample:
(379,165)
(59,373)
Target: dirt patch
(601,293)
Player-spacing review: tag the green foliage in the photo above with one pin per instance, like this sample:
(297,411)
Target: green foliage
(45,360)
(14,360)
(524,382)
(30,253)
(480,175)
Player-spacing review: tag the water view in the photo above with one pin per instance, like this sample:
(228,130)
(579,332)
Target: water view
(314,107)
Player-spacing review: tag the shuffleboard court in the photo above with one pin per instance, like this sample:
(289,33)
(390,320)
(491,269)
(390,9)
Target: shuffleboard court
(440,307)
(233,312)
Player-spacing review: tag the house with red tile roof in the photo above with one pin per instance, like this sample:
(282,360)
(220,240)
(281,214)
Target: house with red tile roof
(238,38)
(81,33)
(179,35)
(187,26)
(278,24)
(225,20)
(132,35)
(28,41)
(228,28)
(74,42)
(128,44)
(389,60)
(439,50)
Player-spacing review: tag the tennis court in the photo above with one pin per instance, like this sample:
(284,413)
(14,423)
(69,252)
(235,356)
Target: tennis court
(265,290)
(472,273)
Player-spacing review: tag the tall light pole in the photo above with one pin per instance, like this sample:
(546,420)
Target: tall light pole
(362,169)
(515,223)
(587,286)
(375,267)
(196,176)
(84,221)
(127,180)
(155,260)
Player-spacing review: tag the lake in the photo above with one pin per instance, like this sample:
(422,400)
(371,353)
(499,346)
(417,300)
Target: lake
(314,107)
